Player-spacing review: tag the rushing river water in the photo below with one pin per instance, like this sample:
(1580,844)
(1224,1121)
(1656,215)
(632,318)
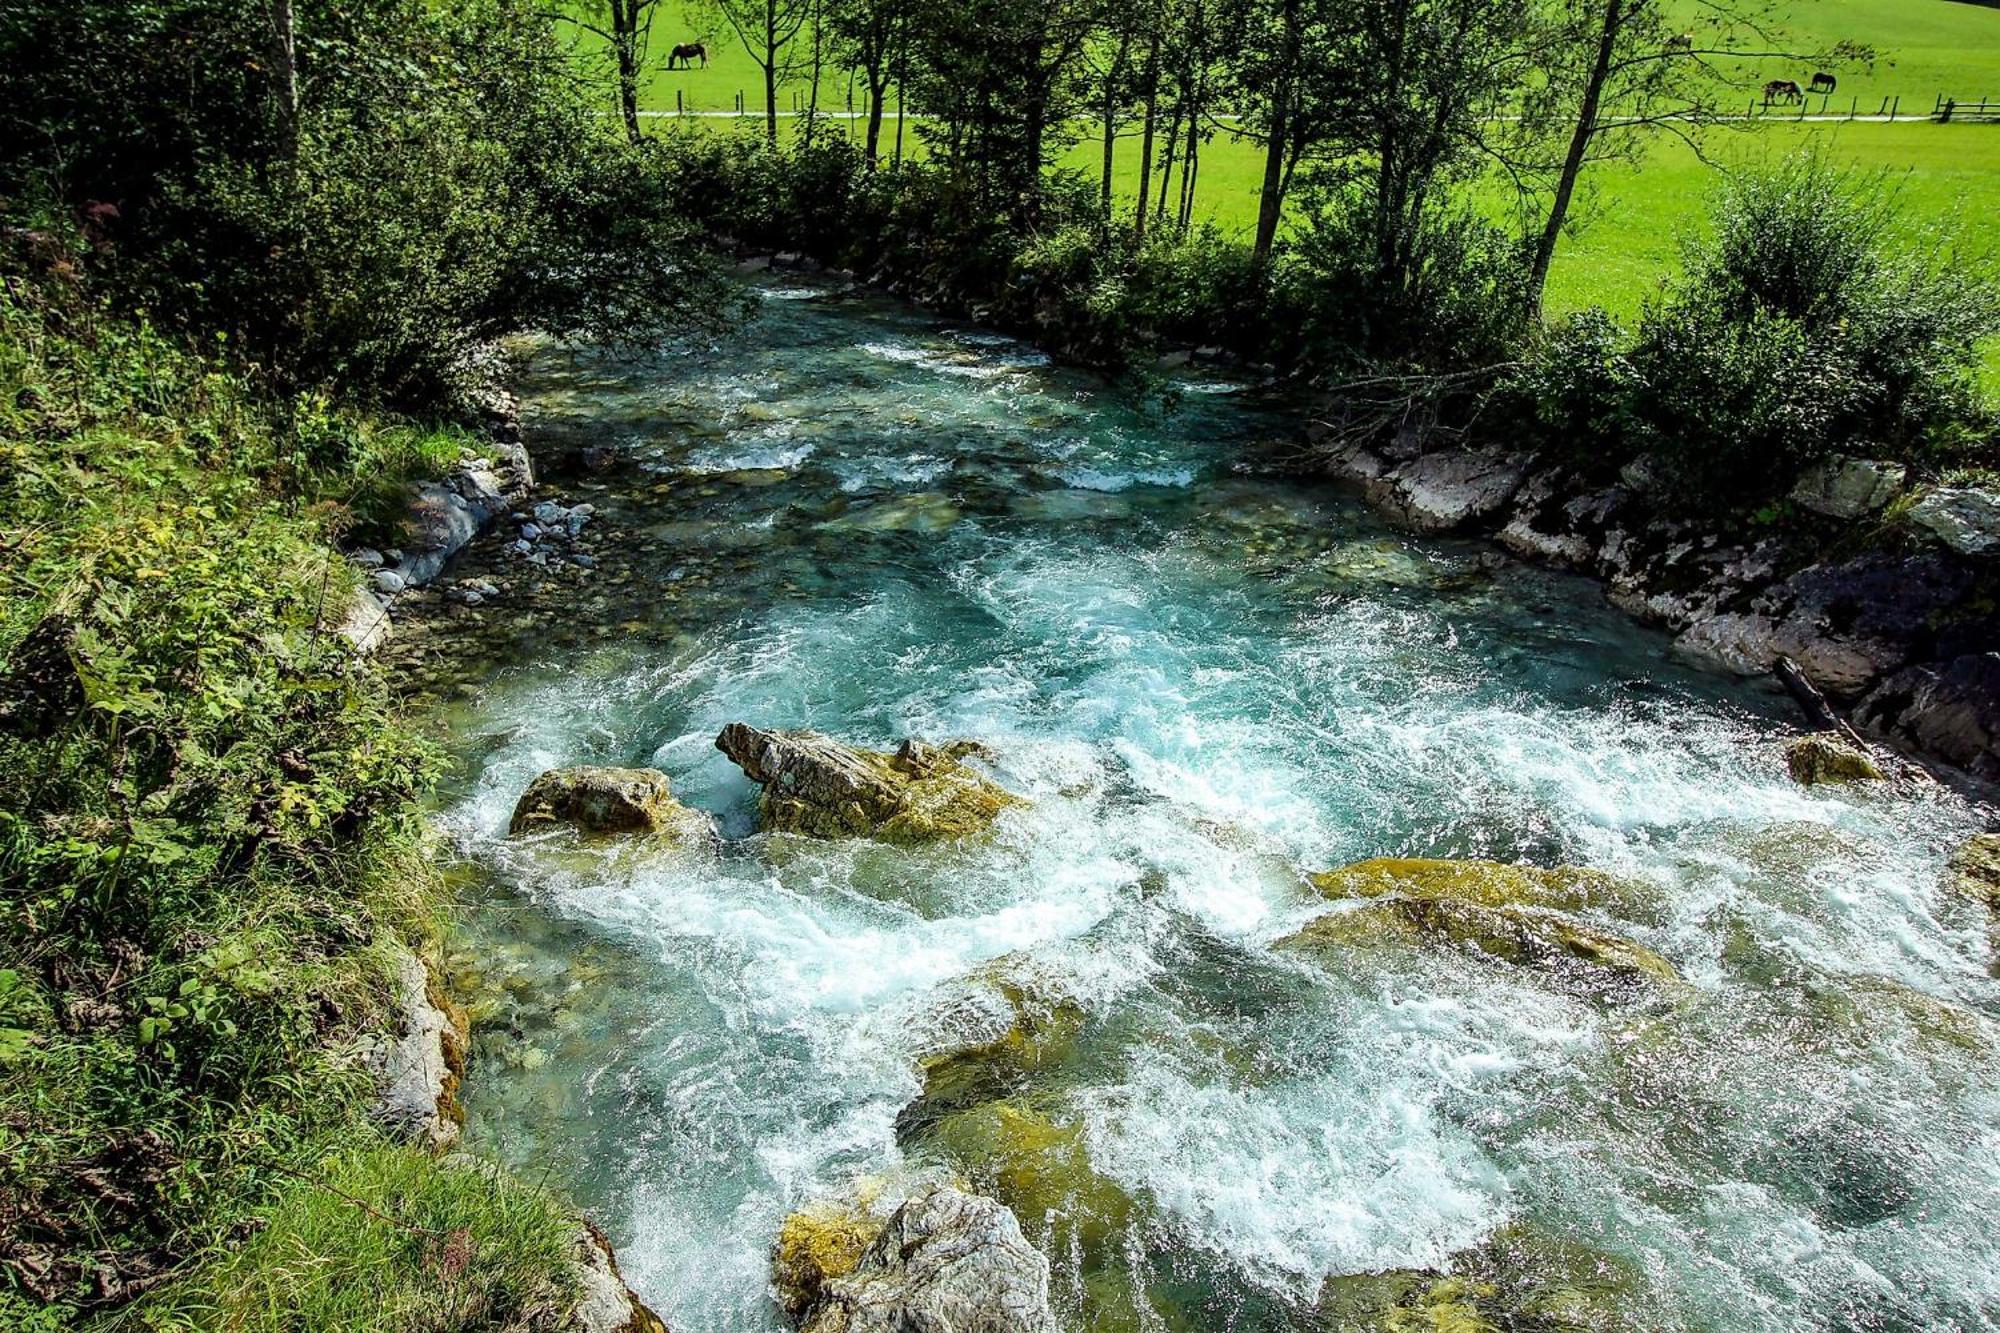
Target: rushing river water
(849,517)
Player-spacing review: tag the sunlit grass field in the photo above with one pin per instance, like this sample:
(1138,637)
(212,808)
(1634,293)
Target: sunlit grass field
(1634,217)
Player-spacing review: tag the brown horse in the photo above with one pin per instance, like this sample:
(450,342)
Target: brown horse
(684,55)
(1823,82)
(1782,90)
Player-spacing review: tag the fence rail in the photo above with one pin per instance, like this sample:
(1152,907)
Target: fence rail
(1950,109)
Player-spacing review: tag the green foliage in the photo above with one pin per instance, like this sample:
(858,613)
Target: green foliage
(210,828)
(1807,326)
(382,1240)
(446,178)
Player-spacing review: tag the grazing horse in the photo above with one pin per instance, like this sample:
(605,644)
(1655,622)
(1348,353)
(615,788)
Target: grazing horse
(1782,90)
(1823,82)
(684,55)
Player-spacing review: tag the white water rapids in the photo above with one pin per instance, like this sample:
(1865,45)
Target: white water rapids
(861,521)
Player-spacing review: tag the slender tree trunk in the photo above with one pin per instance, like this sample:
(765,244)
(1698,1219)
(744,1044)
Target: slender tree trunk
(1573,160)
(1146,136)
(770,63)
(1111,81)
(818,60)
(1271,198)
(284,53)
(875,91)
(1167,164)
(625,41)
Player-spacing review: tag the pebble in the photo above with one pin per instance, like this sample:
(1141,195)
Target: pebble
(530,532)
(583,561)
(367,557)
(389,581)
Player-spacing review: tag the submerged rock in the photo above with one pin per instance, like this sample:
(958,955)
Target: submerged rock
(607,800)
(1522,1278)
(1043,1033)
(1592,959)
(817,786)
(1041,1169)
(1975,869)
(946,1261)
(1825,757)
(1487,884)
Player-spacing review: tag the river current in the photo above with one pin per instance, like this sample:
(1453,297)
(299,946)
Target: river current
(851,517)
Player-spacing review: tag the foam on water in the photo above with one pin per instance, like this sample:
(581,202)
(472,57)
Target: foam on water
(1205,687)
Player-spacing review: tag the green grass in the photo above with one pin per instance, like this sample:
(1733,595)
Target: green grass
(210,846)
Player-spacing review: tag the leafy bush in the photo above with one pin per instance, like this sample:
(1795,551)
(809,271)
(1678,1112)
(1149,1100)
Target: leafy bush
(210,836)
(448,179)
(1809,324)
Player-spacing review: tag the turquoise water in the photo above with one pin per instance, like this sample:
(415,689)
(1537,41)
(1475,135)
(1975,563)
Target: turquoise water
(850,517)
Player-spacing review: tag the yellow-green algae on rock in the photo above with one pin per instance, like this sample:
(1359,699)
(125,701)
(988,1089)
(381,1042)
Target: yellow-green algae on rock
(816,786)
(1522,1278)
(1489,884)
(1524,937)
(607,800)
(822,1241)
(1039,1167)
(1046,1024)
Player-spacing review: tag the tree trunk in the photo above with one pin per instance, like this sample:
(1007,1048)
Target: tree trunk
(818,60)
(874,141)
(1111,80)
(284,53)
(1271,199)
(1573,160)
(1146,136)
(1167,165)
(625,41)
(770,63)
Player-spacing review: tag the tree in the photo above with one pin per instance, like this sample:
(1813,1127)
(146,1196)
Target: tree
(768,29)
(1613,73)
(1293,62)
(1000,81)
(627,28)
(867,33)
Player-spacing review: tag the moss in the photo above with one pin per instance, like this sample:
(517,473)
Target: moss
(607,800)
(1823,757)
(936,799)
(1488,884)
(1040,1168)
(1591,958)
(820,1242)
(1521,1278)
(1043,1035)
(1974,869)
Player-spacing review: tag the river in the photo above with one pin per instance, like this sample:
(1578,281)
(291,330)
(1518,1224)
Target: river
(852,517)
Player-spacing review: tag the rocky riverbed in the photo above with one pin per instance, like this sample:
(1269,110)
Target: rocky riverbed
(1351,928)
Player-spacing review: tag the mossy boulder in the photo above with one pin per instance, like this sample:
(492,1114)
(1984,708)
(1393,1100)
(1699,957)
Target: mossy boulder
(1974,869)
(1580,955)
(1825,757)
(1040,1167)
(820,1242)
(1046,1023)
(1488,884)
(1521,1278)
(607,800)
(816,786)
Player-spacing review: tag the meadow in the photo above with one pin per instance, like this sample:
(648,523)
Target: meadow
(1634,216)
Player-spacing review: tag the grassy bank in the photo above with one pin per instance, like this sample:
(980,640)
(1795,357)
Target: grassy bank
(210,854)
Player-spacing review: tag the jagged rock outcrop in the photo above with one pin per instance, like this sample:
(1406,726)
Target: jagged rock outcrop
(1974,869)
(945,1262)
(443,516)
(1848,487)
(816,786)
(608,800)
(419,1065)
(1825,757)
(1965,518)
(604,1303)
(1948,708)
(820,1242)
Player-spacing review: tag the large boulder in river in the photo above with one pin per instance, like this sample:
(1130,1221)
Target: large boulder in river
(1489,884)
(1975,869)
(1035,1031)
(1948,708)
(1823,756)
(1580,956)
(607,800)
(1447,489)
(816,786)
(946,1262)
